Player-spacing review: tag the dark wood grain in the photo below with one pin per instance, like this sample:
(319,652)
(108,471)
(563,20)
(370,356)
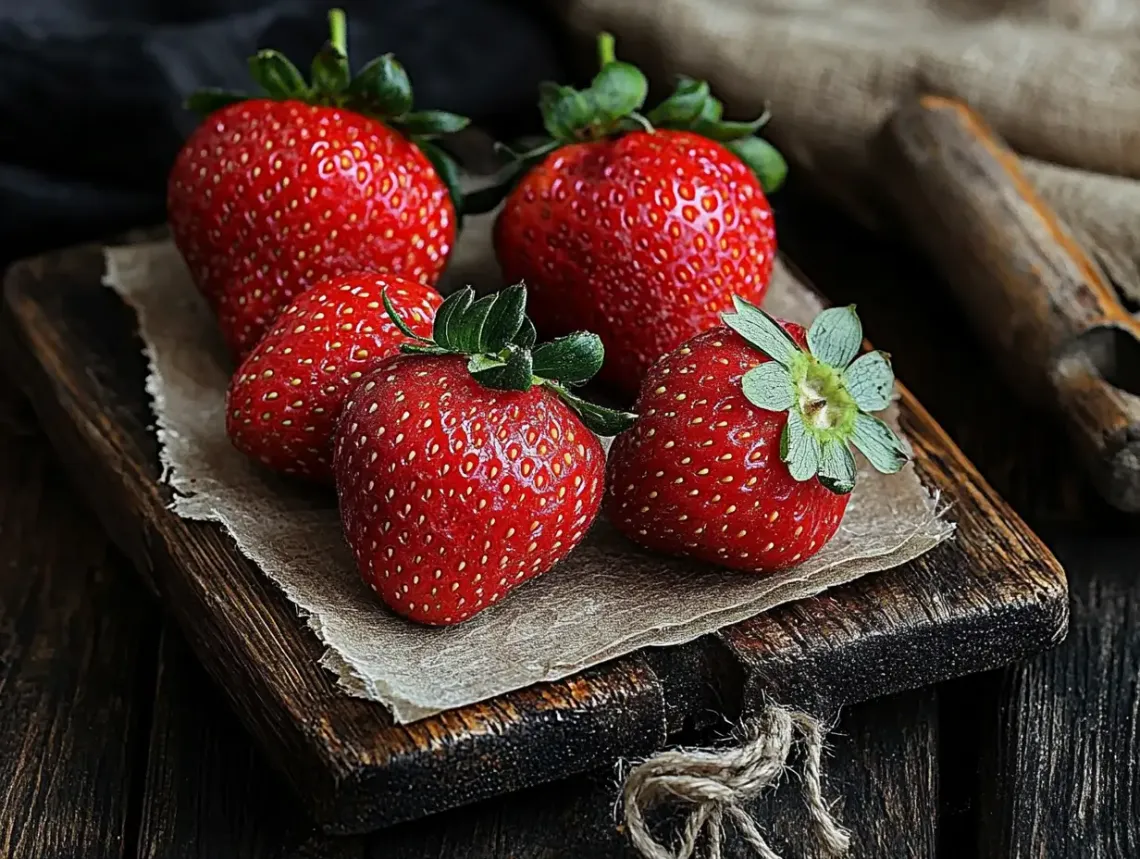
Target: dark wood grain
(342,753)
(209,793)
(951,593)
(208,790)
(994,595)
(908,311)
(882,762)
(1064,779)
(1050,316)
(76,638)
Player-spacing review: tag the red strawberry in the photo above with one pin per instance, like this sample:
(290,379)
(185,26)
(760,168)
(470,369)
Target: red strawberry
(284,400)
(271,194)
(470,468)
(740,455)
(638,228)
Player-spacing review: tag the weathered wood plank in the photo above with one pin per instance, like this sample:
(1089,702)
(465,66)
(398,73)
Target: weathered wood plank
(209,793)
(77,636)
(1064,773)
(72,344)
(344,754)
(208,790)
(907,311)
(1053,322)
(882,762)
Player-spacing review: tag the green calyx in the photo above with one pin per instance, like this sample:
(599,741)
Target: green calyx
(828,390)
(613,104)
(499,342)
(380,89)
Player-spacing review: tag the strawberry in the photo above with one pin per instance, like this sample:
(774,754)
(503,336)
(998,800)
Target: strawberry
(741,452)
(271,194)
(627,219)
(466,466)
(284,400)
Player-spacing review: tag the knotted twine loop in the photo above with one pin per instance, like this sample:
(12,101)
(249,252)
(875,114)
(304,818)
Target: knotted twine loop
(716,783)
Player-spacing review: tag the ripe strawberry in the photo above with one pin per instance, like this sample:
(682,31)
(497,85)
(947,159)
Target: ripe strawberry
(469,468)
(285,398)
(271,194)
(638,228)
(740,455)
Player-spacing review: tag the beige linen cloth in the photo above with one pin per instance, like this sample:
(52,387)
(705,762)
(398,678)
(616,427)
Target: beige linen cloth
(1058,79)
(605,600)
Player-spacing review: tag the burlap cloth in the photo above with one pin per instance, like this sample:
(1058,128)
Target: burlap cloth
(605,600)
(1058,79)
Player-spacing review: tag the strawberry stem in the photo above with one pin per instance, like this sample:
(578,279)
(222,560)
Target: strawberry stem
(498,341)
(380,90)
(612,106)
(338,30)
(606,54)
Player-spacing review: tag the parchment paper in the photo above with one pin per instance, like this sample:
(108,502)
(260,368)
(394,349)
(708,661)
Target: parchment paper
(605,600)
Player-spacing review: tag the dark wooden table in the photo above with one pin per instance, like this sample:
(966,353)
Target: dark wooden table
(114,744)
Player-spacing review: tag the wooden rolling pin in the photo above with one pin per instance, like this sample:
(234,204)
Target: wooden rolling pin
(1053,320)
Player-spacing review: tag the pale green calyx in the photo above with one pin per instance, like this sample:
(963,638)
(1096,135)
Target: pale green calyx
(828,391)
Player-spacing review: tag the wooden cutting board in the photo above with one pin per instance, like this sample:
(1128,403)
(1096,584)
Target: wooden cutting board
(991,595)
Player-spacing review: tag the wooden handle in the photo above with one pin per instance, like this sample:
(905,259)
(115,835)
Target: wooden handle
(1053,320)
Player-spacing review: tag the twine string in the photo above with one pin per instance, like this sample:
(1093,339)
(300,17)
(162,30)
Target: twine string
(716,784)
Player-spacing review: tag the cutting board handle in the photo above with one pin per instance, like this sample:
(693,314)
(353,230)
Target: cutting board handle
(1052,318)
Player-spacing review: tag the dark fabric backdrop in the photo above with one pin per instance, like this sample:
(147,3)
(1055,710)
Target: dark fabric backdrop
(91,90)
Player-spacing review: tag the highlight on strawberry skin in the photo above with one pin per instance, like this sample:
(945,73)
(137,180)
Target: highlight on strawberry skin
(307,178)
(742,454)
(469,463)
(636,221)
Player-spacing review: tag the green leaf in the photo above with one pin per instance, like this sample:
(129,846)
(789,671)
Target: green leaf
(618,90)
(799,448)
(763,159)
(432,123)
(448,171)
(277,76)
(205,101)
(468,336)
(422,348)
(563,115)
(384,84)
(710,114)
(761,331)
(683,106)
(515,375)
(726,130)
(598,419)
(883,449)
(571,359)
(395,317)
(770,387)
(505,319)
(835,336)
(447,318)
(526,336)
(837,466)
(487,199)
(549,93)
(870,381)
(330,71)
(479,362)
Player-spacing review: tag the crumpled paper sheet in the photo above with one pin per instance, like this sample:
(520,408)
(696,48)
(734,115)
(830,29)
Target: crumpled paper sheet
(1059,80)
(606,599)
